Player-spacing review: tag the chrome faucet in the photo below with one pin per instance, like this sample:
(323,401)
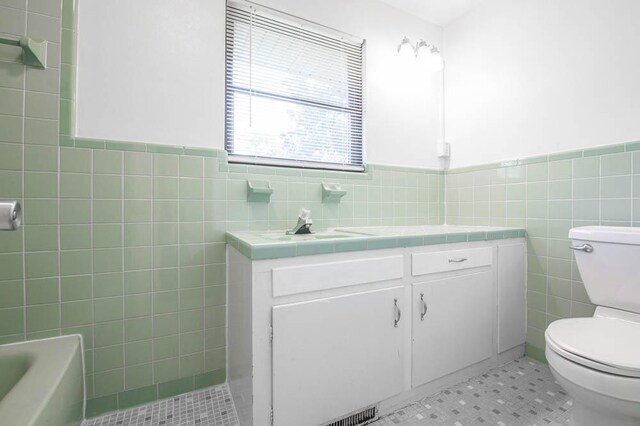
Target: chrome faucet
(304,223)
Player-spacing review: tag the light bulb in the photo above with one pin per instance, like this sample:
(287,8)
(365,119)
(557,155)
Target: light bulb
(437,59)
(429,55)
(433,59)
(406,49)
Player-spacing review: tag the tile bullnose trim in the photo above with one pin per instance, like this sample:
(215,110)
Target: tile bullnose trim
(225,166)
(557,156)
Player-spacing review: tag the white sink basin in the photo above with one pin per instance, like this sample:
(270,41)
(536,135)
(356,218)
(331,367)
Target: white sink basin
(320,235)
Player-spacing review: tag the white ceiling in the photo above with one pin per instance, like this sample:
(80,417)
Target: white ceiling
(440,12)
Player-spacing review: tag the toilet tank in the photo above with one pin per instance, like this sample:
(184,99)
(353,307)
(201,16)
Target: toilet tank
(611,272)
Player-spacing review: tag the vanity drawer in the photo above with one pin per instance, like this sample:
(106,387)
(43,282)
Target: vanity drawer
(451,260)
(324,276)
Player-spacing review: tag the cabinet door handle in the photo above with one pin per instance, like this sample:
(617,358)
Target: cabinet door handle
(458,260)
(398,312)
(423,311)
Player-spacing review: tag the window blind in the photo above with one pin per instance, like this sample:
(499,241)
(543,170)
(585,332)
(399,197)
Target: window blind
(294,94)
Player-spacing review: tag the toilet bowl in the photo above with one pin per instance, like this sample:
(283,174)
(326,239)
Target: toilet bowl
(597,359)
(592,359)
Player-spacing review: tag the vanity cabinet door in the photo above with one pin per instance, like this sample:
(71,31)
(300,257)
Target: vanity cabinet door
(336,355)
(456,329)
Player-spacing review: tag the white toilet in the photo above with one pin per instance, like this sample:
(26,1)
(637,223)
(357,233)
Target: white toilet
(597,360)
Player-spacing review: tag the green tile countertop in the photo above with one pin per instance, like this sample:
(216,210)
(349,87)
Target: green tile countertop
(260,245)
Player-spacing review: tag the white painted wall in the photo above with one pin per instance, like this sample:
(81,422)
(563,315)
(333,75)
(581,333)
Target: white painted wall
(528,77)
(153,71)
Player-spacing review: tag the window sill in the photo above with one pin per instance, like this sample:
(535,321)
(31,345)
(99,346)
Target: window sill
(274,162)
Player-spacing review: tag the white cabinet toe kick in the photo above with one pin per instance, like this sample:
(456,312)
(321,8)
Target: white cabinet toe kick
(314,339)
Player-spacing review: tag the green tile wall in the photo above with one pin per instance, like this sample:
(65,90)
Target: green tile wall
(548,196)
(125,243)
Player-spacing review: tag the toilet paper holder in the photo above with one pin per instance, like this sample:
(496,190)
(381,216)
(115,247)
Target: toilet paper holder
(10,215)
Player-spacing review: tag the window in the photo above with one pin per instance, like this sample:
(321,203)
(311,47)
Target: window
(293,91)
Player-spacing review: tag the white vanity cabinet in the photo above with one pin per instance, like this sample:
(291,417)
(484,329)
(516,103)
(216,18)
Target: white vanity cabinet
(312,339)
(336,355)
(454,310)
(452,325)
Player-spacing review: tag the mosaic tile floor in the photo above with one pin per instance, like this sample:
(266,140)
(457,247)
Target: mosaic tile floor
(208,407)
(521,393)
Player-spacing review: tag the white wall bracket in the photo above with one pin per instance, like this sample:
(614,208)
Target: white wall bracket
(332,193)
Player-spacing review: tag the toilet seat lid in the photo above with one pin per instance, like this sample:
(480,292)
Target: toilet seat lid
(610,342)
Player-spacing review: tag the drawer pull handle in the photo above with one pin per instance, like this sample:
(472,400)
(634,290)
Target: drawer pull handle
(398,312)
(423,311)
(458,260)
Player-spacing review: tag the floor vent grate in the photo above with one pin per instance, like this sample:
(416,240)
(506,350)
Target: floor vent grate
(358,418)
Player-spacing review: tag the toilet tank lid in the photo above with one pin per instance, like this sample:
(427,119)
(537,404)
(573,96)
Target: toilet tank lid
(608,234)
